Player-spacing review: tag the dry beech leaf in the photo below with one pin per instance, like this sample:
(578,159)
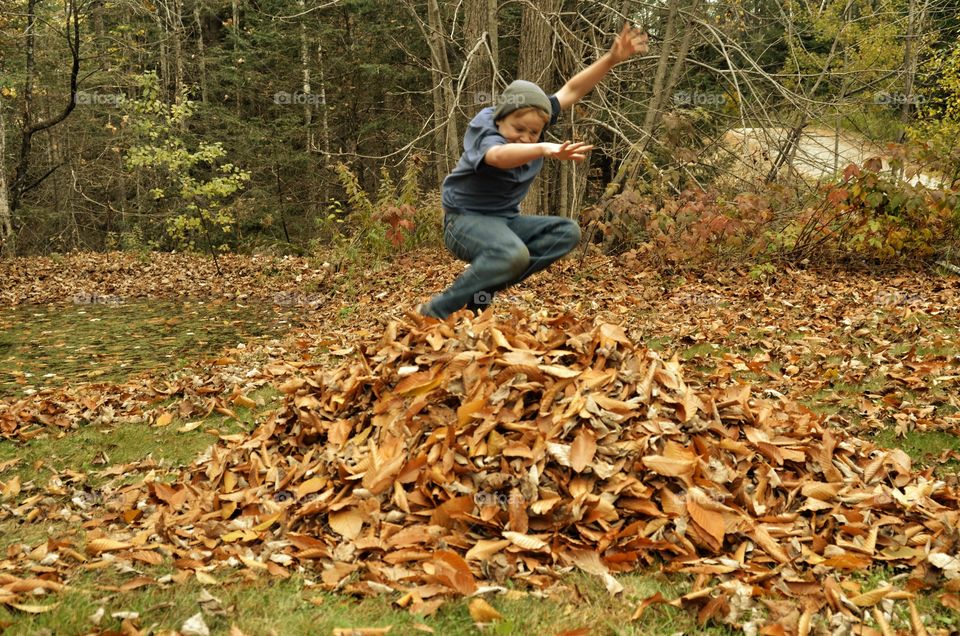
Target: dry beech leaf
(163,419)
(11,489)
(452,570)
(951,601)
(97,546)
(525,541)
(147,556)
(34,609)
(669,467)
(484,549)
(582,450)
(311,486)
(483,612)
(709,520)
(869,599)
(195,626)
(347,523)
(244,401)
(558,371)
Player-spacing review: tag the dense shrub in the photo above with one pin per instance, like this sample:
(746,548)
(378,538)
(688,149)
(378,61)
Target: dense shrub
(874,215)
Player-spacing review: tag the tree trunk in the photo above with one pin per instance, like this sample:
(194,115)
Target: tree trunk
(910,63)
(6,222)
(21,178)
(447,142)
(235,5)
(201,54)
(568,178)
(536,64)
(163,51)
(674,46)
(480,45)
(176,30)
(324,124)
(305,71)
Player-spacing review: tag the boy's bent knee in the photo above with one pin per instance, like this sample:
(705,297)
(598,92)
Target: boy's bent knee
(517,260)
(568,233)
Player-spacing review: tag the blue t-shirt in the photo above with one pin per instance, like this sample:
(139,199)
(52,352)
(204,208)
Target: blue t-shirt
(474,187)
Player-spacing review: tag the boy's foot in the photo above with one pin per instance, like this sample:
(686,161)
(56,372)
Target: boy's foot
(424,309)
(481,300)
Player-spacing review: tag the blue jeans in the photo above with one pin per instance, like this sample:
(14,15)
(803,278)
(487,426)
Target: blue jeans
(501,252)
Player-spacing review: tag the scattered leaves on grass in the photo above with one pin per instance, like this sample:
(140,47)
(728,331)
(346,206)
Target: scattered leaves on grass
(521,446)
(397,488)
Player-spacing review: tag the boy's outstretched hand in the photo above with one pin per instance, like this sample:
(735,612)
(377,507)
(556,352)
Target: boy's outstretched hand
(630,42)
(567,151)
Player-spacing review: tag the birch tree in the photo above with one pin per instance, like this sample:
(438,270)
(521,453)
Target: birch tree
(6,224)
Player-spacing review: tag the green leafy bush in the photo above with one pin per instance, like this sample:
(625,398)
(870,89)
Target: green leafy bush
(399,218)
(875,215)
(188,187)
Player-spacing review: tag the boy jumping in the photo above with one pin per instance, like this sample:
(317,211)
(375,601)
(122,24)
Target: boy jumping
(503,153)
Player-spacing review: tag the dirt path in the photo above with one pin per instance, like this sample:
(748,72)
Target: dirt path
(820,152)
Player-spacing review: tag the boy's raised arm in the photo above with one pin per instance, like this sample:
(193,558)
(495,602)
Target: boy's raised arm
(629,42)
(509,156)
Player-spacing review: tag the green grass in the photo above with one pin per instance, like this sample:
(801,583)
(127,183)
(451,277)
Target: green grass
(91,449)
(703,349)
(935,615)
(293,606)
(264,605)
(924,447)
(44,346)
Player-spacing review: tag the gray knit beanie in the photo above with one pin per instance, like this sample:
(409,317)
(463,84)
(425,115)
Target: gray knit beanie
(521,94)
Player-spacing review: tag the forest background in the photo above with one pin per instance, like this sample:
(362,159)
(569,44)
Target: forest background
(285,126)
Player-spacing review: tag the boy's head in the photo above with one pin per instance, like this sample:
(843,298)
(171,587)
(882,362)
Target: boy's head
(523,112)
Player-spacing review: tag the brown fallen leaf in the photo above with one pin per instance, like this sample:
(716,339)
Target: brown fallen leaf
(347,523)
(483,612)
(709,520)
(163,419)
(34,609)
(98,546)
(871,598)
(582,450)
(656,598)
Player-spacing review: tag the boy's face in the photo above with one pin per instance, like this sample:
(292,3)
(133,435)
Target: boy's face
(521,127)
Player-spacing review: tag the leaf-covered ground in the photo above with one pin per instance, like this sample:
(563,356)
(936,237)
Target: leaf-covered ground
(603,417)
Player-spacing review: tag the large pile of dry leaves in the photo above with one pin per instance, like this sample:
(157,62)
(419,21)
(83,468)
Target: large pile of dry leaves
(449,457)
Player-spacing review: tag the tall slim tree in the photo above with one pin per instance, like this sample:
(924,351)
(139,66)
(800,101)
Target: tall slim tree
(446,139)
(481,48)
(536,64)
(6,223)
(23,181)
(678,35)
